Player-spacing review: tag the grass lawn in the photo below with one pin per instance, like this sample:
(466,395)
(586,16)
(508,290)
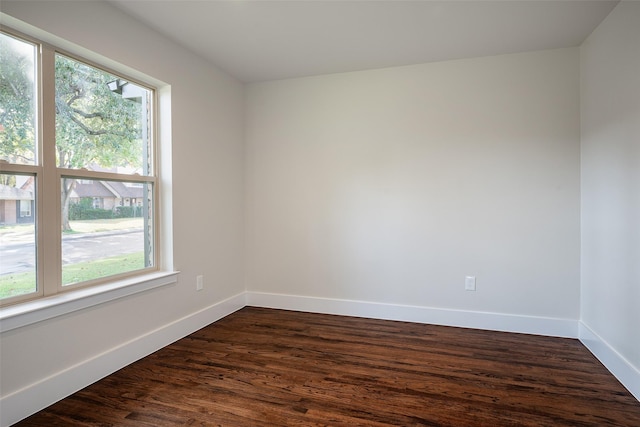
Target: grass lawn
(24,283)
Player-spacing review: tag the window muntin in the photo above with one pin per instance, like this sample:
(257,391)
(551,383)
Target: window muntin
(106,129)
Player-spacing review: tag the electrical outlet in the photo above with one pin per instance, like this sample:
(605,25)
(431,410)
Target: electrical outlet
(199,283)
(470,283)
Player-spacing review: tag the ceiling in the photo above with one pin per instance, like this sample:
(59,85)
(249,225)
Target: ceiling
(268,40)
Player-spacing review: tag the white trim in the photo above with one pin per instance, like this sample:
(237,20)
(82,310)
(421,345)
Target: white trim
(556,327)
(22,403)
(621,368)
(26,313)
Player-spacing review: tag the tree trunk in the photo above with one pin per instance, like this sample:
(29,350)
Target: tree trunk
(67,186)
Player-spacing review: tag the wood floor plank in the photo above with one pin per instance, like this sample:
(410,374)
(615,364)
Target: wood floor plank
(263,367)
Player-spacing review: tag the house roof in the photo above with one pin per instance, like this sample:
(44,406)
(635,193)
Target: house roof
(12,193)
(108,189)
(125,191)
(94,189)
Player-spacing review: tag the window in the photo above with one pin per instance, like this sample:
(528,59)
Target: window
(75,141)
(25,208)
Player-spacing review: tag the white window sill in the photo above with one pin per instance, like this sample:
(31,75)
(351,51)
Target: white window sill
(27,313)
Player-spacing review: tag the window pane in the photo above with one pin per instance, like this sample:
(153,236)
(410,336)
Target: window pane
(17,235)
(102,121)
(17,101)
(106,228)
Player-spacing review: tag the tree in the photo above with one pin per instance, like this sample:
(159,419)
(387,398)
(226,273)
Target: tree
(17,118)
(95,126)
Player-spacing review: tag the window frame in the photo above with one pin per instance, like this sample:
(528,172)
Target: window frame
(47,184)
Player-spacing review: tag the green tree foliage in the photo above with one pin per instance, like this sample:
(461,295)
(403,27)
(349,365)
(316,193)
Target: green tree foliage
(95,126)
(17,118)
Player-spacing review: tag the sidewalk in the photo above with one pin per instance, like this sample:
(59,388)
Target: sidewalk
(25,234)
(17,234)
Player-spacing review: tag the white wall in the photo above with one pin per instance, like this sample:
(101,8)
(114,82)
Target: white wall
(391,185)
(610,127)
(207,159)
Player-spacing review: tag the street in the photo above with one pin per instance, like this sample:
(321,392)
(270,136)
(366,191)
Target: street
(20,256)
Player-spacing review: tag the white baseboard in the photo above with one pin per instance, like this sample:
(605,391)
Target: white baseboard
(566,328)
(620,367)
(31,399)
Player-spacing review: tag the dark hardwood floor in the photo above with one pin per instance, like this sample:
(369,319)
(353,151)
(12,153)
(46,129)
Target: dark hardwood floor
(262,367)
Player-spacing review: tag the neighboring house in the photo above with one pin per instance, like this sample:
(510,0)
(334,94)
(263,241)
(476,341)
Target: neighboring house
(108,194)
(17,203)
